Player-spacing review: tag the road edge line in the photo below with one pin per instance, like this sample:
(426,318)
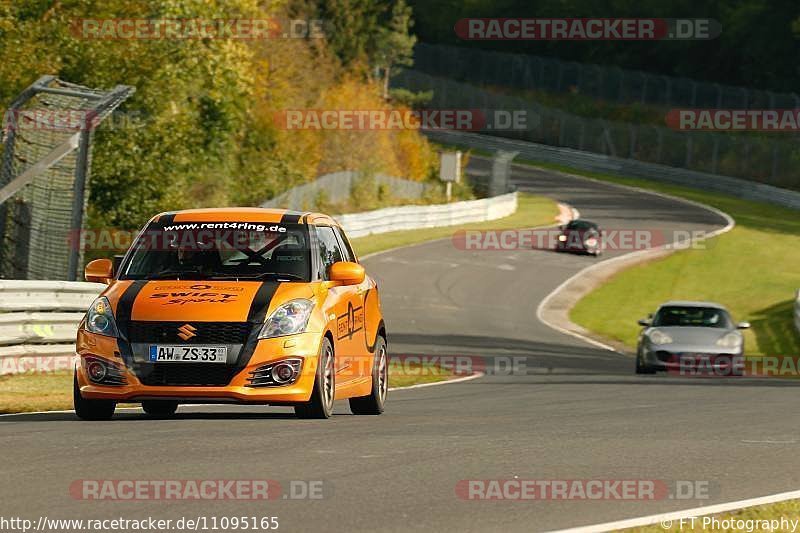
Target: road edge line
(637,257)
(476,375)
(666,519)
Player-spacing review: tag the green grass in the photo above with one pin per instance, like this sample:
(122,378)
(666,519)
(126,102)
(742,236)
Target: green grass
(532,211)
(752,270)
(789,509)
(401,375)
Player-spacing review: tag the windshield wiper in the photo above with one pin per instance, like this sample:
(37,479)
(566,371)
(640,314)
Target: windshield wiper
(167,274)
(262,275)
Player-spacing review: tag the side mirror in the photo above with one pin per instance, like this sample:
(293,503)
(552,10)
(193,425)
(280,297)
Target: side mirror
(99,271)
(347,273)
(743,325)
(645,322)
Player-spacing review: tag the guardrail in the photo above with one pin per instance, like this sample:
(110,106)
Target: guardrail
(337,187)
(428,216)
(38,321)
(593,162)
(797,311)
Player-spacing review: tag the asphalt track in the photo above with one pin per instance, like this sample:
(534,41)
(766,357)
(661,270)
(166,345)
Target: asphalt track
(577,412)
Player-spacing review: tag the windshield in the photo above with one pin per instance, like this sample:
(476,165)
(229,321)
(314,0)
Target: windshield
(221,250)
(701,317)
(581,225)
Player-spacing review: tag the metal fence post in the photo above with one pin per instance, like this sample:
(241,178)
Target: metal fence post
(79,201)
(715,155)
(688,151)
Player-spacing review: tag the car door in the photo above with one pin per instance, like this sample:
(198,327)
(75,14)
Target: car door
(349,314)
(357,326)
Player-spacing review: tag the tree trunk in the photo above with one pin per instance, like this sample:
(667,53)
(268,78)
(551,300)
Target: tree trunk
(386,71)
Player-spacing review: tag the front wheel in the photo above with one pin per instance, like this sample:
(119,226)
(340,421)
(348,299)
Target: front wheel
(91,409)
(321,403)
(374,403)
(642,368)
(160,408)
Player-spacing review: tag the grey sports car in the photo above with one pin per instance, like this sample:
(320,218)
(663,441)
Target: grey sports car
(691,337)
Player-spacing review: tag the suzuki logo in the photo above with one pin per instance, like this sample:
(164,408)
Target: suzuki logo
(187,331)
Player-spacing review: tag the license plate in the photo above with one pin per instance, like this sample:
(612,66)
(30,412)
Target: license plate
(167,353)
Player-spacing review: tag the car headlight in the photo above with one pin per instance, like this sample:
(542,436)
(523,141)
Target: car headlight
(290,318)
(562,238)
(100,319)
(659,337)
(730,340)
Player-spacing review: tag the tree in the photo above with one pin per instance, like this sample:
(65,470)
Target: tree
(395,43)
(351,26)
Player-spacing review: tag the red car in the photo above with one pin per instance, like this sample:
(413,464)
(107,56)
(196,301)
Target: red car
(580,236)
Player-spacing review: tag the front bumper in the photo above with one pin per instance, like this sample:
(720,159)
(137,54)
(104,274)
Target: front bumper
(684,360)
(303,346)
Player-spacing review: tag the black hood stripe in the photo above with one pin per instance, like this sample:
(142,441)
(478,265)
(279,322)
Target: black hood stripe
(260,303)
(256,317)
(123,317)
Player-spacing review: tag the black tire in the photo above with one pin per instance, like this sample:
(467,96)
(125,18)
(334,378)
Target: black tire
(322,397)
(374,403)
(159,408)
(91,409)
(642,368)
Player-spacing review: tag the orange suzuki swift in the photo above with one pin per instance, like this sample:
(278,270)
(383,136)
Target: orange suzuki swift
(241,305)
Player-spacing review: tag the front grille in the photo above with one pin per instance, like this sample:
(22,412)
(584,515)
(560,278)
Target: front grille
(206,332)
(185,374)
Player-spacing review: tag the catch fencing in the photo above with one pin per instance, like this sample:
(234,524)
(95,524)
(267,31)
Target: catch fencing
(593,162)
(611,84)
(764,159)
(44,172)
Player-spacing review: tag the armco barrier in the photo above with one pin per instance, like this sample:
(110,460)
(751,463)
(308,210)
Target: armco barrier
(428,216)
(593,162)
(336,188)
(38,321)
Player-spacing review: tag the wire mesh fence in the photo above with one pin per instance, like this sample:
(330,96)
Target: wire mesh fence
(766,159)
(612,84)
(47,135)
